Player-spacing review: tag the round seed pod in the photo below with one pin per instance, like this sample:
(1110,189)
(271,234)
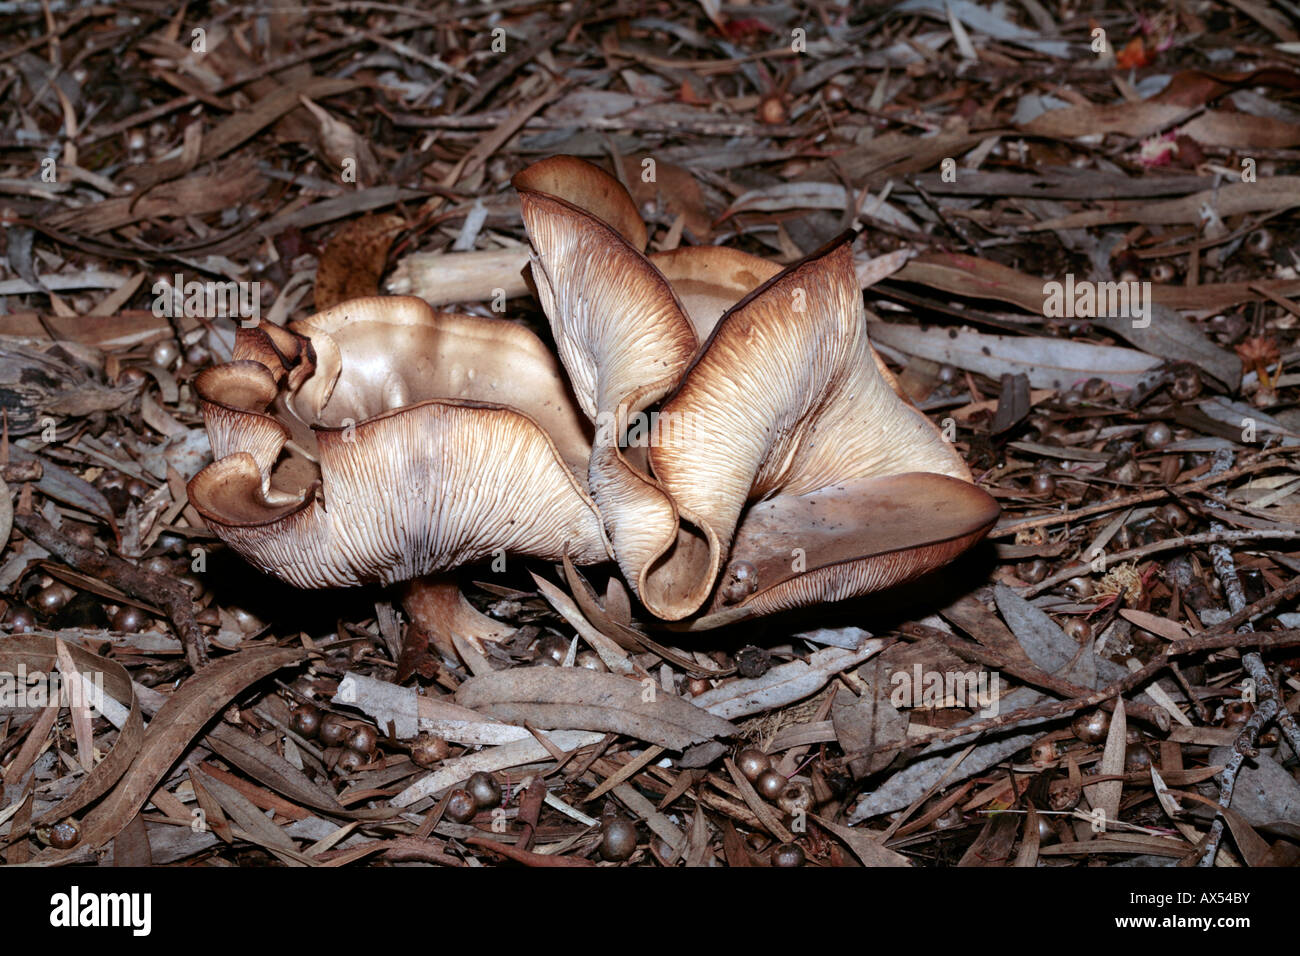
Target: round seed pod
(350,761)
(795,798)
(788,855)
(1173,515)
(1186,383)
(1043,752)
(158,564)
(171,543)
(1091,726)
(552,646)
(333,730)
(1032,571)
(165,353)
(65,834)
(770,784)
(428,751)
(305,719)
(461,807)
(1162,272)
(194,583)
(618,839)
(131,376)
(1079,587)
(129,620)
(1136,757)
(1157,435)
(771,110)
(1046,832)
(485,790)
(740,580)
(19,619)
(49,600)
(1066,798)
(1077,628)
(1259,241)
(1237,712)
(752,762)
(1096,389)
(363,740)
(591,661)
(1043,484)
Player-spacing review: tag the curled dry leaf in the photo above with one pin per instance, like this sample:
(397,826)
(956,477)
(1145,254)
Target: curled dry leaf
(6,515)
(191,706)
(35,654)
(914,780)
(867,721)
(577,698)
(517,752)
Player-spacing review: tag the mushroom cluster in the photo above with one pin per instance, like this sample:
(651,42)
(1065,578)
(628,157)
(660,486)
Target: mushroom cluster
(718,426)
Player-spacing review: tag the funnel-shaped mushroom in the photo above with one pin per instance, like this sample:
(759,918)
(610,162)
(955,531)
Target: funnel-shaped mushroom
(726,433)
(785,446)
(379,441)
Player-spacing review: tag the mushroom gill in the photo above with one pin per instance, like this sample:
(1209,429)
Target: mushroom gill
(414,436)
(785,447)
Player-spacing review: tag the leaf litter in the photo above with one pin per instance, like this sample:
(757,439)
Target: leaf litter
(1072,692)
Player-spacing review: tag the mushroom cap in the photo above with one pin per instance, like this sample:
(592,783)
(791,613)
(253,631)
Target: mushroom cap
(784,408)
(624,340)
(586,187)
(425,440)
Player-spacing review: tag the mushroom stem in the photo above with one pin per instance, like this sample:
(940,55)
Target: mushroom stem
(435,603)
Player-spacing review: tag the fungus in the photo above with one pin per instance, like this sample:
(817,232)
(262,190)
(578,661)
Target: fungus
(381,441)
(787,447)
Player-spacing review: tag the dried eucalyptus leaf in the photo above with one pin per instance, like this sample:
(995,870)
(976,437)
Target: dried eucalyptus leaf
(864,722)
(1170,336)
(905,786)
(577,698)
(1049,363)
(785,683)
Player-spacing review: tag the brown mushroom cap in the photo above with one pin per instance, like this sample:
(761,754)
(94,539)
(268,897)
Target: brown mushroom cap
(429,439)
(589,188)
(709,280)
(785,407)
(624,343)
